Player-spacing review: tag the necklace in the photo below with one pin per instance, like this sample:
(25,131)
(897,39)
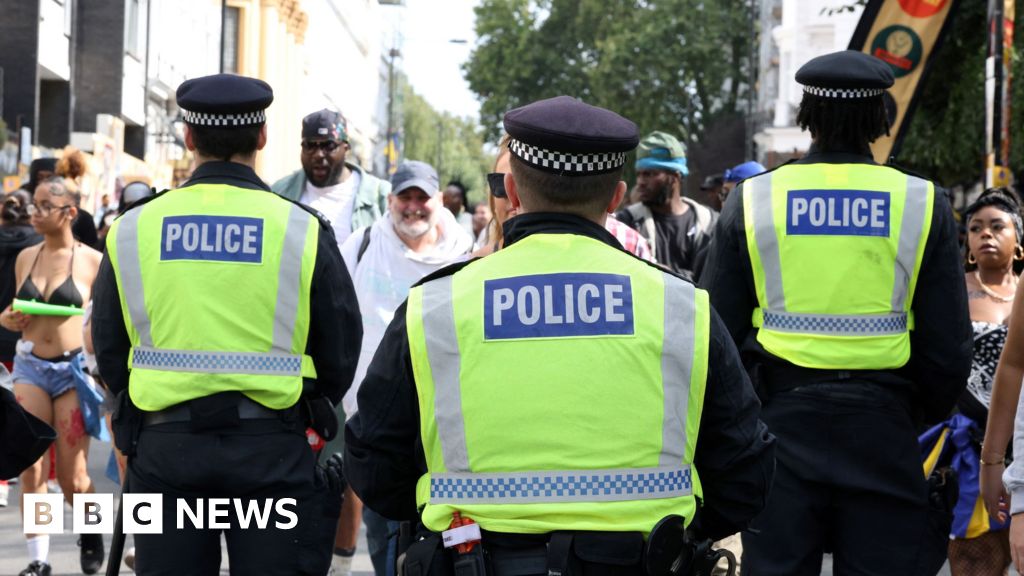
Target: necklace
(992,293)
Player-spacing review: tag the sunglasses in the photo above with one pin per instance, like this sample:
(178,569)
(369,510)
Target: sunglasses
(325,145)
(44,210)
(496,182)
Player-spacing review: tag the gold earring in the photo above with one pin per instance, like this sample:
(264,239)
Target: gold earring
(971,259)
(1018,252)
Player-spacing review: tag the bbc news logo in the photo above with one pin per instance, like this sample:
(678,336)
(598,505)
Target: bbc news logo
(144,513)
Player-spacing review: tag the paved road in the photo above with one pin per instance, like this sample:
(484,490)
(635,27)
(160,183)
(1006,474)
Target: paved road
(64,551)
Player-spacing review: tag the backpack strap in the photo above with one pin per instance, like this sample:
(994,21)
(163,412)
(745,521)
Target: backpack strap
(363,244)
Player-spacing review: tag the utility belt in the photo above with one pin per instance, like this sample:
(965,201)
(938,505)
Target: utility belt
(224,410)
(468,551)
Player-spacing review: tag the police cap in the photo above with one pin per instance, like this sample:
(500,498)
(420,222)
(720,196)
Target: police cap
(567,137)
(224,100)
(845,75)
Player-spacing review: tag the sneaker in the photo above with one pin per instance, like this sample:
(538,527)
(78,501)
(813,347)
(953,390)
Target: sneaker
(129,558)
(341,566)
(92,552)
(4,490)
(36,568)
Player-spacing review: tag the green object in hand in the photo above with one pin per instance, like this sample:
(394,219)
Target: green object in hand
(43,309)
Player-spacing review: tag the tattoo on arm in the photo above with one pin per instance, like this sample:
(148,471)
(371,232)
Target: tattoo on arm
(976,295)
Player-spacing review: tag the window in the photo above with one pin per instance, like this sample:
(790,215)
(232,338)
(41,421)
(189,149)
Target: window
(68,13)
(231,46)
(132,36)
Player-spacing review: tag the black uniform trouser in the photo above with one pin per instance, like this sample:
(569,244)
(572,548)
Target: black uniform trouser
(848,480)
(255,460)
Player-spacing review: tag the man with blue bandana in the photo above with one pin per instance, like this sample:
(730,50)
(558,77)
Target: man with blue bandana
(676,227)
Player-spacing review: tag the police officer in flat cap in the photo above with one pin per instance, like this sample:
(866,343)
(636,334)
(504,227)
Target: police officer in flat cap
(840,280)
(224,317)
(543,409)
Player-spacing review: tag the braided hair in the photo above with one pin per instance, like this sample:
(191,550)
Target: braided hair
(836,123)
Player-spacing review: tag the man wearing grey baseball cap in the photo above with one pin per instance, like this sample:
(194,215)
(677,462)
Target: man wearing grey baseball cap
(415,237)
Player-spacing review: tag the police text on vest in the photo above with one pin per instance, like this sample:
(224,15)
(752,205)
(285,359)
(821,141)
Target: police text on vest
(221,238)
(558,305)
(837,213)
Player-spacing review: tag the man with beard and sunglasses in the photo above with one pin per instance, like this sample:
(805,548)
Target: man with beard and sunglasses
(416,237)
(340,190)
(676,227)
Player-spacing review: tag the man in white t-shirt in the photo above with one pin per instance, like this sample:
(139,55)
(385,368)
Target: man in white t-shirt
(417,236)
(339,190)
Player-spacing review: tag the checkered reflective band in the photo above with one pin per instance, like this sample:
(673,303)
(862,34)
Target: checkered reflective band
(216,362)
(835,325)
(561,486)
(552,161)
(847,93)
(203,119)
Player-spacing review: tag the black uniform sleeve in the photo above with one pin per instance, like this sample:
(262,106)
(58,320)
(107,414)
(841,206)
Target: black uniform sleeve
(383,454)
(335,324)
(735,454)
(109,335)
(941,341)
(725,275)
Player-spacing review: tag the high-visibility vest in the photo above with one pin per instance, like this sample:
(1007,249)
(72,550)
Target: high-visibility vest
(214,282)
(836,250)
(560,385)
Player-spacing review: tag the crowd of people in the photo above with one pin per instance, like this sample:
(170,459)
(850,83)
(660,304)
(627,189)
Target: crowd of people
(393,233)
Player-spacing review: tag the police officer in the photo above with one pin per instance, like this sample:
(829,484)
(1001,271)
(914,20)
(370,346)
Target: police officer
(560,388)
(223,311)
(841,282)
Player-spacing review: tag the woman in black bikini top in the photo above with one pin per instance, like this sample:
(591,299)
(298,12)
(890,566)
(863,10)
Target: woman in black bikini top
(66,294)
(44,380)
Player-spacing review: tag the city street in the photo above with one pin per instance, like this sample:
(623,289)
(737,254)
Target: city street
(64,551)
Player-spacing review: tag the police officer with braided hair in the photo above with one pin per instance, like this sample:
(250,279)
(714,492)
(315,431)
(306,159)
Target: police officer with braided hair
(840,280)
(550,405)
(223,317)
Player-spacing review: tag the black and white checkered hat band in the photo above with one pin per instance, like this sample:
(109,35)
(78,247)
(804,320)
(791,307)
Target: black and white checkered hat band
(202,119)
(843,92)
(567,162)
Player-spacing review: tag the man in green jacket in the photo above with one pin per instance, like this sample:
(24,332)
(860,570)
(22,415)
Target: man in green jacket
(349,197)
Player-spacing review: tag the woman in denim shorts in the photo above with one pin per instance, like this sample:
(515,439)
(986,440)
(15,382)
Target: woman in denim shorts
(58,271)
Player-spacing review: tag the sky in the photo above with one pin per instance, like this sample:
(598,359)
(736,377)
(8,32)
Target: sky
(431,62)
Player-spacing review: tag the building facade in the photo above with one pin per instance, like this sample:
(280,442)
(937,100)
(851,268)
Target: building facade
(101,74)
(792,32)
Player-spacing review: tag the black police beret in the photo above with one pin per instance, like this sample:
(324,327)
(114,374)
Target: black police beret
(569,137)
(224,100)
(846,74)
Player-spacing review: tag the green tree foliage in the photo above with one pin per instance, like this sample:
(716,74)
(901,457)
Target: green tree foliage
(454,145)
(676,65)
(946,136)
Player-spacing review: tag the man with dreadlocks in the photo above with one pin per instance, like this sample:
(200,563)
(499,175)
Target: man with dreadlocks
(840,281)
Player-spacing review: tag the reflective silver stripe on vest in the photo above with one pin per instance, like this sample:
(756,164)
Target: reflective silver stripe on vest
(767,241)
(289,279)
(548,486)
(835,324)
(445,362)
(217,362)
(676,365)
(910,239)
(130,270)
